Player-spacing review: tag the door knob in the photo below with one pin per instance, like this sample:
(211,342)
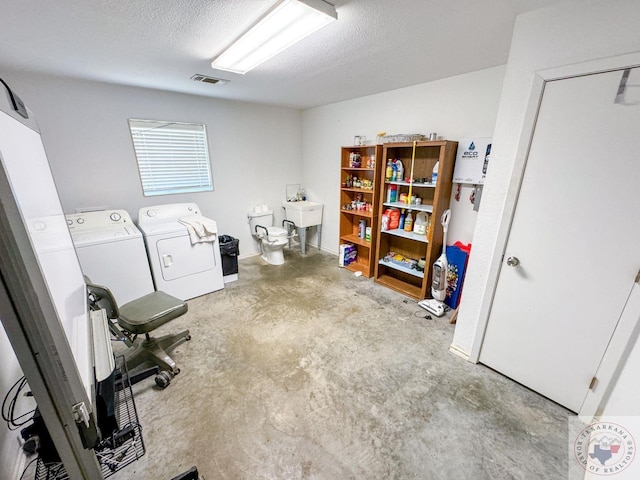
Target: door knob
(513,261)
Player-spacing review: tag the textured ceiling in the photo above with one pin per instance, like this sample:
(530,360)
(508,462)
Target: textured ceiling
(376,45)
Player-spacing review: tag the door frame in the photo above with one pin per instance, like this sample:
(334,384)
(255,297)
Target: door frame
(30,320)
(627,323)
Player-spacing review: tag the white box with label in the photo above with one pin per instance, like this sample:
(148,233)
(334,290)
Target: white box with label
(472,160)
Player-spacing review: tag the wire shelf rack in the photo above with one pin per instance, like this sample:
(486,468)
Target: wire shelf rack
(115,452)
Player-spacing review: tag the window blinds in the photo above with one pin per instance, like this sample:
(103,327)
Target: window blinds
(172,157)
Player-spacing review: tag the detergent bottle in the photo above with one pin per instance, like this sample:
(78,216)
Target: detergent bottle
(420,224)
(408,222)
(399,170)
(434,174)
(388,174)
(401,222)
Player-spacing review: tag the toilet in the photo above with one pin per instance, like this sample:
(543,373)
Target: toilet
(272,239)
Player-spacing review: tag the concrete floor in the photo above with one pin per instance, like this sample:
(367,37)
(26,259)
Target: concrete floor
(306,371)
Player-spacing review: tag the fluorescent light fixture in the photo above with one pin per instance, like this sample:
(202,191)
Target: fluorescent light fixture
(288,22)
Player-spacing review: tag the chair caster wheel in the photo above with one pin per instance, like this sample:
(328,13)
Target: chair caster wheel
(187,338)
(163,379)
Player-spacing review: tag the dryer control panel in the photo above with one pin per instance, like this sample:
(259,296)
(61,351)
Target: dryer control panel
(164,213)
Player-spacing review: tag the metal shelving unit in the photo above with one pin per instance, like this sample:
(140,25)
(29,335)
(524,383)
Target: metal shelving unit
(119,454)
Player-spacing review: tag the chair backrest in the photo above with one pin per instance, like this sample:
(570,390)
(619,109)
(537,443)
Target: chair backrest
(101,297)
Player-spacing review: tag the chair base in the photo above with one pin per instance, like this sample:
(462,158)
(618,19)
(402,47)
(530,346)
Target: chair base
(154,350)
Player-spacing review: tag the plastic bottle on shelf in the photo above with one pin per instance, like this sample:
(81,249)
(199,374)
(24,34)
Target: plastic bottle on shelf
(420,224)
(434,174)
(402,220)
(389,172)
(362,227)
(400,170)
(394,172)
(408,222)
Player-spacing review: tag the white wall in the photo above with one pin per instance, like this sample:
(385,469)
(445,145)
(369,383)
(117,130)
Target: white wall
(255,150)
(458,107)
(569,33)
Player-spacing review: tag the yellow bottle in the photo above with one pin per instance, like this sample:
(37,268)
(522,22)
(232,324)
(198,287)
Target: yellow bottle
(389,172)
(408,222)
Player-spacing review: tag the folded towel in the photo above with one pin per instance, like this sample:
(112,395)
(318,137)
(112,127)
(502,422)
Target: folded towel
(201,229)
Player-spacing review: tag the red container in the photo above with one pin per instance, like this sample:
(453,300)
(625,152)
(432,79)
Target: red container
(394,218)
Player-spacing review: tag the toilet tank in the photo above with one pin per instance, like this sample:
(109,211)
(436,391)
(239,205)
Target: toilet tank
(264,219)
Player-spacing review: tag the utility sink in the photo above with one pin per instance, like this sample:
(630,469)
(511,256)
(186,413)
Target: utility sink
(304,213)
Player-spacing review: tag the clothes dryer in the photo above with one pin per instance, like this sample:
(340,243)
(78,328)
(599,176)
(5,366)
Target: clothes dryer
(111,252)
(180,267)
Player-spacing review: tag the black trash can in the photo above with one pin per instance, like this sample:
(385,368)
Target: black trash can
(229,251)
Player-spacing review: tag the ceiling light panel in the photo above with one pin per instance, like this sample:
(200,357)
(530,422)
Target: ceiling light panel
(284,25)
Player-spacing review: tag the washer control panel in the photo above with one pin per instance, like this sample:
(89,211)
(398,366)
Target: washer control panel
(98,220)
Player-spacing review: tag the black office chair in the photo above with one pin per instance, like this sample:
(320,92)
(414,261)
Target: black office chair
(142,316)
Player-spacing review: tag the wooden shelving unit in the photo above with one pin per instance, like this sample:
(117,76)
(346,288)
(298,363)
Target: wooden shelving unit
(435,200)
(352,197)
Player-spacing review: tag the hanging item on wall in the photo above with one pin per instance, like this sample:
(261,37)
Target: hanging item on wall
(472,160)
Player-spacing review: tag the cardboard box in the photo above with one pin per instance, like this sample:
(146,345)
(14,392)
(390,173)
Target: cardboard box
(472,160)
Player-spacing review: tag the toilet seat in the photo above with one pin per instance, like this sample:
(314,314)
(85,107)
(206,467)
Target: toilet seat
(272,239)
(277,236)
(277,232)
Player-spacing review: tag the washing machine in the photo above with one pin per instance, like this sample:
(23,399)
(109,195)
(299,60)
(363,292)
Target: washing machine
(179,267)
(111,252)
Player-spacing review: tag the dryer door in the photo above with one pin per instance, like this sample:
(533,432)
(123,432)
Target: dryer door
(178,258)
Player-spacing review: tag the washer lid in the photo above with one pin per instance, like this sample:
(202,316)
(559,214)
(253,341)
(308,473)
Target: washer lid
(104,235)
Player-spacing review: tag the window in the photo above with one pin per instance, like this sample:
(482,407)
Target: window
(172,157)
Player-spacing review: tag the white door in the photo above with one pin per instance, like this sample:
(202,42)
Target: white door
(179,258)
(576,235)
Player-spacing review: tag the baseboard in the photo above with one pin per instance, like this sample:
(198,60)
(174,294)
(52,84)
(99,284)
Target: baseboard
(248,255)
(458,352)
(230,278)
(329,251)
